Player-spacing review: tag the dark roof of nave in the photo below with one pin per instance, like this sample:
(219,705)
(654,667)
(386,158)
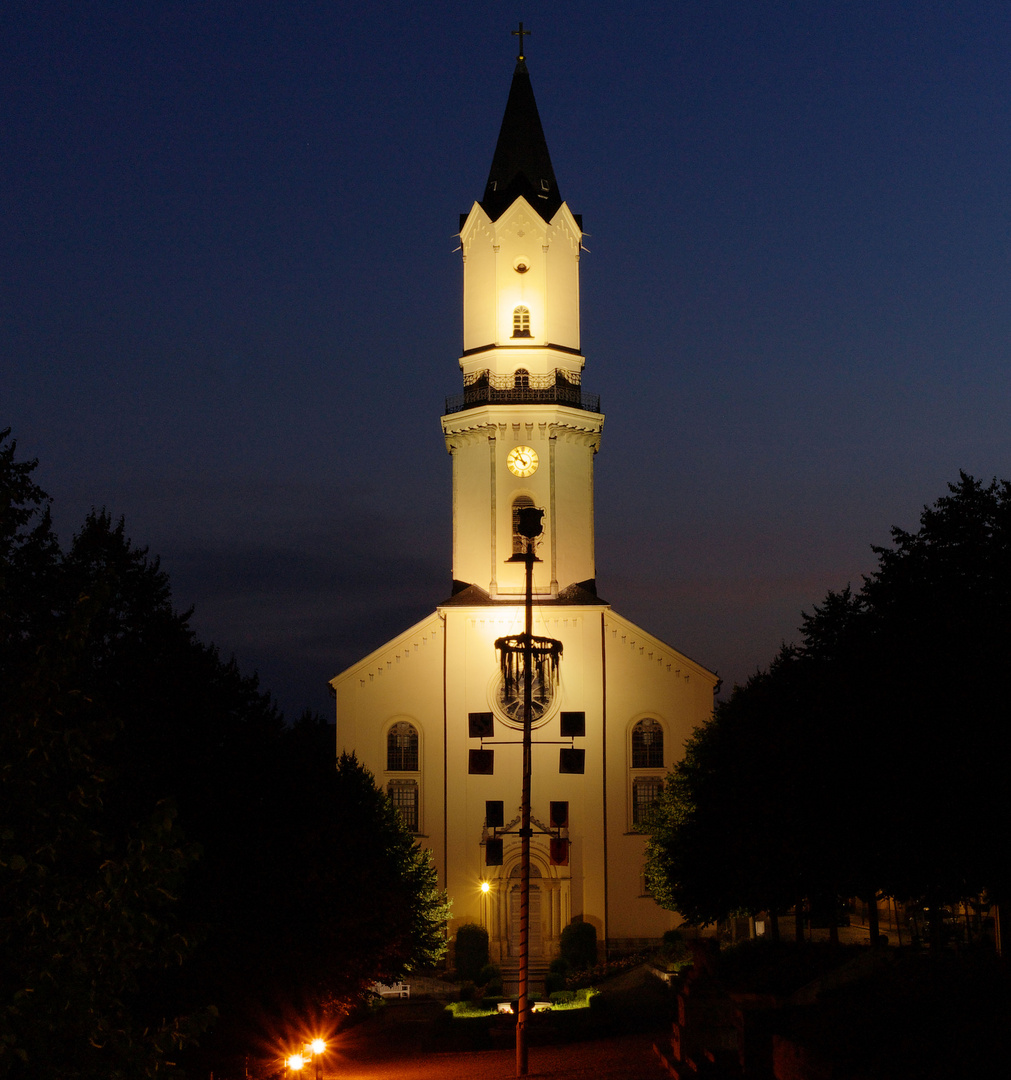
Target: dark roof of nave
(581,593)
(521,165)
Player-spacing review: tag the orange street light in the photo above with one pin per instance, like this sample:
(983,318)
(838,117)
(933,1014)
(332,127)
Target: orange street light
(317,1046)
(295,1062)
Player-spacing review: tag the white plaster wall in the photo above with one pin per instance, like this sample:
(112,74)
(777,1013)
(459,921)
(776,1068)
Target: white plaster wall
(492,287)
(402,680)
(564,474)
(562,280)
(477,241)
(645,676)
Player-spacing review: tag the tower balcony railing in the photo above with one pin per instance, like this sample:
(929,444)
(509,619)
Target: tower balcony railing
(557,388)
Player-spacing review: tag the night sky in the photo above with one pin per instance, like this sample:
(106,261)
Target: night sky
(231,307)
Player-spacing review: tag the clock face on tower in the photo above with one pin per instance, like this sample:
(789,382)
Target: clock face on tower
(522,461)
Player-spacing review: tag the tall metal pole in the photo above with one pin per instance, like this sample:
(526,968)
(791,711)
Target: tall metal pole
(528,675)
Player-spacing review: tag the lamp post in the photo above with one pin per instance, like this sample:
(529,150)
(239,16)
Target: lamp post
(546,650)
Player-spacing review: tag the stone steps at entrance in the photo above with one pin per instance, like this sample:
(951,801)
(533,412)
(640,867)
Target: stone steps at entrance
(511,976)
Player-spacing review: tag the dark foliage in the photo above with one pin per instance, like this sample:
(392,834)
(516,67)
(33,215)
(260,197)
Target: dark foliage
(578,945)
(167,843)
(88,911)
(866,759)
(470,951)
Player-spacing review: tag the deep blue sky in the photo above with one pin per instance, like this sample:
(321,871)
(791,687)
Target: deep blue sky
(230,307)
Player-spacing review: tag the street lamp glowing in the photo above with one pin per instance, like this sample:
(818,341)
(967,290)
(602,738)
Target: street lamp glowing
(295,1062)
(317,1046)
(485,886)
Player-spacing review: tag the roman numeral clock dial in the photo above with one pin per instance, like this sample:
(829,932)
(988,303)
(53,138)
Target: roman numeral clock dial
(522,461)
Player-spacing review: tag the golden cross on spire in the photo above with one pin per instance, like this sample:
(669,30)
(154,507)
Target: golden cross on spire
(521,34)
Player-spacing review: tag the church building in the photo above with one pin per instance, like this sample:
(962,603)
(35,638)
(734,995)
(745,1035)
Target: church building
(434,713)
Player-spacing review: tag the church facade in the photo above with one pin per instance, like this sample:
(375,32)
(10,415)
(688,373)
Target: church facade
(432,713)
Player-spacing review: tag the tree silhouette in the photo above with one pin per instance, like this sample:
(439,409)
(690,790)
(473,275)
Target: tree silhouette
(867,757)
(166,842)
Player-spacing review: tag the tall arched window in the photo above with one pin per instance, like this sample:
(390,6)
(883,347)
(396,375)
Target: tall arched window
(402,748)
(646,772)
(647,745)
(519,541)
(521,379)
(521,322)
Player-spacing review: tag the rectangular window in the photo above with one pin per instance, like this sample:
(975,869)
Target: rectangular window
(646,791)
(404,796)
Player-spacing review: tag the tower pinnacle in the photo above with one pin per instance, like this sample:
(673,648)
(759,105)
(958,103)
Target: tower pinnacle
(522,164)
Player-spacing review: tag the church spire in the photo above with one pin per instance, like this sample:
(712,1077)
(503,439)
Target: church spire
(521,165)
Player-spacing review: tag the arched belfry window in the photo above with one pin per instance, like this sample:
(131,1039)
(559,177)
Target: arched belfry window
(519,541)
(521,322)
(647,744)
(521,379)
(402,748)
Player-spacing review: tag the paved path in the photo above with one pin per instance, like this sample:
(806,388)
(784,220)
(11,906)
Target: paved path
(622,1057)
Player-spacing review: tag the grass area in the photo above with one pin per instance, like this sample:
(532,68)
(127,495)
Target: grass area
(563,1002)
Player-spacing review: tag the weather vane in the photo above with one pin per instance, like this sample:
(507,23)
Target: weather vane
(521,34)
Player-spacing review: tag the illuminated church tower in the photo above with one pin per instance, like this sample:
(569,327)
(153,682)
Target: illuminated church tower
(430,712)
(522,432)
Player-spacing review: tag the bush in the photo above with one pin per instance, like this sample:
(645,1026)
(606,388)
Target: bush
(554,983)
(490,979)
(471,951)
(562,997)
(578,945)
(674,952)
(489,973)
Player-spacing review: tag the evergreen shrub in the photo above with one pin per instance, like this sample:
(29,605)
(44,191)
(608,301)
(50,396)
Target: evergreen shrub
(578,946)
(471,952)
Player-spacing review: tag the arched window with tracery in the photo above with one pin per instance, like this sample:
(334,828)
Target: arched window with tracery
(647,744)
(521,322)
(521,379)
(519,541)
(402,748)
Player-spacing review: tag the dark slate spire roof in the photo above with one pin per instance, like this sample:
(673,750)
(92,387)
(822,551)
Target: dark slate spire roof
(521,165)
